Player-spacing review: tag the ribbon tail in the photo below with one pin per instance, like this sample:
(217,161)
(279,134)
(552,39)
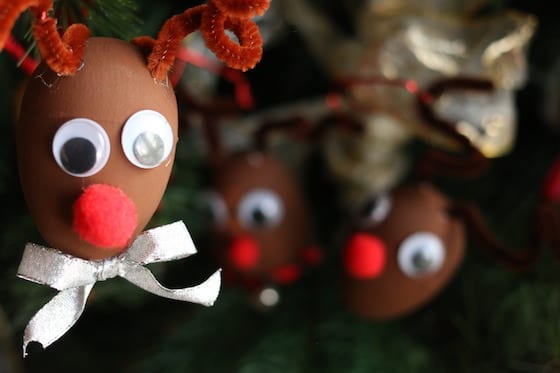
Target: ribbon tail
(56,317)
(204,293)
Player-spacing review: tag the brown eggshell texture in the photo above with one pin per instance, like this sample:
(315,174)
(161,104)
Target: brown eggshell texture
(113,84)
(393,294)
(282,244)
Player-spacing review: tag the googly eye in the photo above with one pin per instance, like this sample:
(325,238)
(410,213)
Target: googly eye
(216,207)
(374,210)
(420,254)
(260,208)
(147,139)
(81,147)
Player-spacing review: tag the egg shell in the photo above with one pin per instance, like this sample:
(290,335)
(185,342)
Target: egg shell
(415,208)
(280,245)
(112,84)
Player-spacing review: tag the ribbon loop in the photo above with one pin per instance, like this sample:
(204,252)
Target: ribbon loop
(54,268)
(161,244)
(204,293)
(56,317)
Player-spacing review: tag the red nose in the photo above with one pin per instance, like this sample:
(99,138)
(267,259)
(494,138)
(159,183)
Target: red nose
(364,256)
(104,216)
(244,252)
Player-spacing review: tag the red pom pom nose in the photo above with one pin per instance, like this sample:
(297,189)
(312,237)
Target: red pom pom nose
(244,252)
(364,256)
(104,216)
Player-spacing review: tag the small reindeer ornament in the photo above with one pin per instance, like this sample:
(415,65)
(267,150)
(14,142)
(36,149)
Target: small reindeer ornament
(406,246)
(263,236)
(95,143)
(405,249)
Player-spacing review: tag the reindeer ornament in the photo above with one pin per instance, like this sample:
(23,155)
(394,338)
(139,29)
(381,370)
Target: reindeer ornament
(95,144)
(406,245)
(263,236)
(405,248)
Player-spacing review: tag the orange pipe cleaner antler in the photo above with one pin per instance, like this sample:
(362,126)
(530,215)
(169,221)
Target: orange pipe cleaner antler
(62,54)
(212,19)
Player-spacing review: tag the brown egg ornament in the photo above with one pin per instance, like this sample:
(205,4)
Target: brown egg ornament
(263,233)
(405,252)
(262,218)
(98,126)
(408,244)
(95,150)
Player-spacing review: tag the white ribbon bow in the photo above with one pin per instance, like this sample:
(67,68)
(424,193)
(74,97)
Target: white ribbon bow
(75,277)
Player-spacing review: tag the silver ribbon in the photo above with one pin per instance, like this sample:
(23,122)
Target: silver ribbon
(74,278)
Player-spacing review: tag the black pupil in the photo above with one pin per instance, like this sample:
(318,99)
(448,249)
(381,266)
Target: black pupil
(78,155)
(368,208)
(210,214)
(259,217)
(421,260)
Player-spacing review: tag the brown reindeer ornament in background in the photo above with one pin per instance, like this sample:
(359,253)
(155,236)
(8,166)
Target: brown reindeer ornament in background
(406,245)
(263,236)
(96,141)
(405,248)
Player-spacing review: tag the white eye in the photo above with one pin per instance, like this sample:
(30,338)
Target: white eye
(81,147)
(216,207)
(260,208)
(147,139)
(374,210)
(420,254)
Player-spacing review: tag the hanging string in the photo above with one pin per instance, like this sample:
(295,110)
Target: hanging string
(25,62)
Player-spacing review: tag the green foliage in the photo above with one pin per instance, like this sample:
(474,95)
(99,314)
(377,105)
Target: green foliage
(529,313)
(115,18)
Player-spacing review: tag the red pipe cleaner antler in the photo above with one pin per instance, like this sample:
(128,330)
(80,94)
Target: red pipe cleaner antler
(26,63)
(243,94)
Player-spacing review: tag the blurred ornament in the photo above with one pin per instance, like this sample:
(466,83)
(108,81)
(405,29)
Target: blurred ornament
(428,48)
(367,162)
(262,235)
(424,43)
(419,247)
(485,119)
(406,245)
(365,159)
